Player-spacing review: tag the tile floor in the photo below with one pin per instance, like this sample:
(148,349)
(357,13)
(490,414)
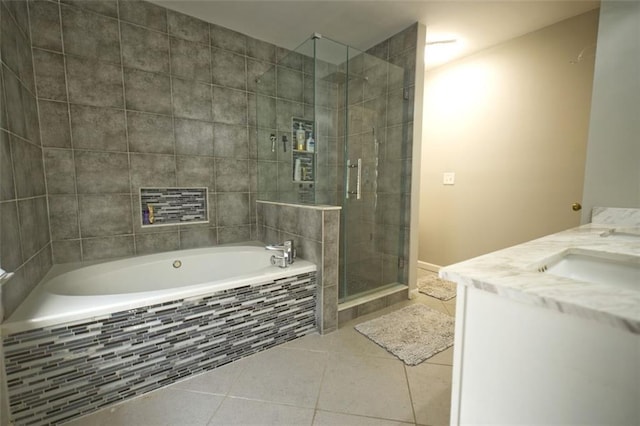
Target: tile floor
(341,378)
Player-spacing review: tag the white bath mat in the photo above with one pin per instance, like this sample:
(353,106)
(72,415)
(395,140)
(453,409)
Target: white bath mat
(436,287)
(413,334)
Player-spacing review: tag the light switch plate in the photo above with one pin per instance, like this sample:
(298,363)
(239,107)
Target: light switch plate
(448,178)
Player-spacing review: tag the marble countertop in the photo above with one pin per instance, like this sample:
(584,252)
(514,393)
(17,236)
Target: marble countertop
(513,273)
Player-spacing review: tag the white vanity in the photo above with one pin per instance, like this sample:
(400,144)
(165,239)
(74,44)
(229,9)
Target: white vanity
(548,332)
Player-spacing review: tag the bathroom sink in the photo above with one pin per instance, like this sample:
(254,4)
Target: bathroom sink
(595,267)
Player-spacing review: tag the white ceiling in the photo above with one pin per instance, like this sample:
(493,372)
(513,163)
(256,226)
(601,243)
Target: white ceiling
(362,24)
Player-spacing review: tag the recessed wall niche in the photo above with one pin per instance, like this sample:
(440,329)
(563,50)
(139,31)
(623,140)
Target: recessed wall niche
(303,150)
(173,206)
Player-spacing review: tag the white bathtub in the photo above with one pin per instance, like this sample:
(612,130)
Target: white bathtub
(91,337)
(68,295)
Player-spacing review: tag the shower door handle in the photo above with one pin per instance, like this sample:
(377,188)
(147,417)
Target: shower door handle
(346,189)
(358,192)
(350,166)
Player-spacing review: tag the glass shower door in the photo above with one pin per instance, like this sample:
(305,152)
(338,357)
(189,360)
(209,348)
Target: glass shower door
(374,164)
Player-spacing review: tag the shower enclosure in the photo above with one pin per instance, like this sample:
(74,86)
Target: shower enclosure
(332,129)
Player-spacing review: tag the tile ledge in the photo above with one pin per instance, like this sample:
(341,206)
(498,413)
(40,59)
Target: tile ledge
(372,296)
(302,206)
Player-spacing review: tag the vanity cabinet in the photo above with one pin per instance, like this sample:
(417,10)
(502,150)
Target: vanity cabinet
(515,363)
(539,345)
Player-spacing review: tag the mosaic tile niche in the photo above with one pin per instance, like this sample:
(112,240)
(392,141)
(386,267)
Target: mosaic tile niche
(173,206)
(61,372)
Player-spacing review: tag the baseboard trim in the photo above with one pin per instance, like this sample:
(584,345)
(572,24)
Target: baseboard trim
(429,266)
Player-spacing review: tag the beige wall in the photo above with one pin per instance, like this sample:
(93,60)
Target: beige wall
(612,176)
(512,123)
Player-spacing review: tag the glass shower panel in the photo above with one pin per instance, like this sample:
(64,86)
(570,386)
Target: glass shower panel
(375,136)
(285,107)
(330,56)
(354,106)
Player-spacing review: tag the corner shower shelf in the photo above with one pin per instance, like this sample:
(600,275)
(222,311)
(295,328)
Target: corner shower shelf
(306,158)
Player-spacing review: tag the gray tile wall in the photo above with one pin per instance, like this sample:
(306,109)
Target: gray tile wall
(132,94)
(315,233)
(25,242)
(285,91)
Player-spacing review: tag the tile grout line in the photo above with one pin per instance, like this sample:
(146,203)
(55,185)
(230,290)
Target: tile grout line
(214,157)
(179,228)
(44,178)
(126,130)
(406,377)
(72,147)
(322,378)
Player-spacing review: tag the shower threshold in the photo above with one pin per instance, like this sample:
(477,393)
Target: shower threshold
(371,301)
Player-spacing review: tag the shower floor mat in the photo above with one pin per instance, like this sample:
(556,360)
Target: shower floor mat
(433,286)
(413,334)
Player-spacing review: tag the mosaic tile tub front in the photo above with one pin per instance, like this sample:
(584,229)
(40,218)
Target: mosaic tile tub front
(61,372)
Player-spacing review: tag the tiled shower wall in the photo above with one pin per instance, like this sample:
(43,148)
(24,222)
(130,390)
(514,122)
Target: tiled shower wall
(132,94)
(286,91)
(24,224)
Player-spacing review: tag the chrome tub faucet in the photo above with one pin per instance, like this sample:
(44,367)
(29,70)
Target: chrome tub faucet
(288,253)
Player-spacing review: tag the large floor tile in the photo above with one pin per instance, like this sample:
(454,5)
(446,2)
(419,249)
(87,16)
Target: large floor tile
(451,306)
(349,340)
(444,358)
(236,411)
(286,376)
(311,342)
(366,386)
(217,381)
(431,393)
(345,340)
(326,418)
(163,407)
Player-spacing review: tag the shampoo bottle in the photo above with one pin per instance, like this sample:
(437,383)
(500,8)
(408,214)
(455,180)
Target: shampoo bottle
(152,217)
(311,144)
(297,172)
(300,137)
